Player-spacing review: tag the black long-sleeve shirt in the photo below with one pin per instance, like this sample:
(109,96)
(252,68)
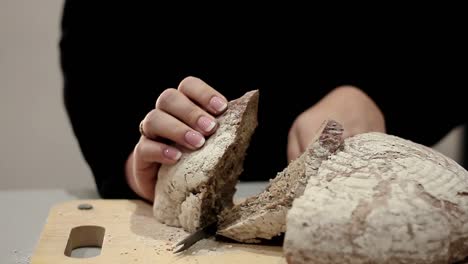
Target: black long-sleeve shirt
(116,60)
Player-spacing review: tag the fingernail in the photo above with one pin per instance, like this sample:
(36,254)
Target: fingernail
(205,123)
(218,104)
(194,138)
(172,153)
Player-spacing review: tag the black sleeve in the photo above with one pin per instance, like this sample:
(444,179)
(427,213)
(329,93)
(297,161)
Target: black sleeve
(422,97)
(423,116)
(104,116)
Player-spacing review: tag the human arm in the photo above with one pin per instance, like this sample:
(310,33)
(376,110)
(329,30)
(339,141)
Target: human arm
(348,105)
(105,93)
(421,115)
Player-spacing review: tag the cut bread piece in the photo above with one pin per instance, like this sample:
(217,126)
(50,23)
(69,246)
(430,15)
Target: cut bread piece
(381,199)
(264,216)
(192,192)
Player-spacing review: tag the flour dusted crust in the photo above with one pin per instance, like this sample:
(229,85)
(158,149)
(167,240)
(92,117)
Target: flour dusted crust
(193,191)
(264,216)
(381,199)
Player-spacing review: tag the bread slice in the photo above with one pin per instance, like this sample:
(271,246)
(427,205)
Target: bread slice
(264,216)
(192,192)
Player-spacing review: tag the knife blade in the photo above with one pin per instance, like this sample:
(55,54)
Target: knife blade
(205,232)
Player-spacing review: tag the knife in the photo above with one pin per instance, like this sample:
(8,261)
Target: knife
(205,232)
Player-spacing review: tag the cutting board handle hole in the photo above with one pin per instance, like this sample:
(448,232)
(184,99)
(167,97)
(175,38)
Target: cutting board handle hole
(85,242)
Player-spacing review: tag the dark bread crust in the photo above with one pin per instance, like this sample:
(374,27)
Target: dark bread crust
(264,216)
(192,192)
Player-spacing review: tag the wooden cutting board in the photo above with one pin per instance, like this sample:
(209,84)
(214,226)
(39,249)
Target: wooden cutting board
(128,233)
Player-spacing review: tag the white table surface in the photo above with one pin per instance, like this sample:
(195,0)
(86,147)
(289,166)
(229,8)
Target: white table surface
(25,212)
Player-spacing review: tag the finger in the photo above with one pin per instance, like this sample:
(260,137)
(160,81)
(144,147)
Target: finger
(203,94)
(160,124)
(294,149)
(147,157)
(178,105)
(148,151)
(144,179)
(294,146)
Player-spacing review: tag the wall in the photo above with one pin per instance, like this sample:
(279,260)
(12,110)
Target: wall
(37,147)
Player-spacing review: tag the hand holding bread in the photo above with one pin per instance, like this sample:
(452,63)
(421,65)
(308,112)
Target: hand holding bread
(184,116)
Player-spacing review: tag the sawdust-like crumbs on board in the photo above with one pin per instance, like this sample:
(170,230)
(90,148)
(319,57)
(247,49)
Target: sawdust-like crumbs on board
(152,234)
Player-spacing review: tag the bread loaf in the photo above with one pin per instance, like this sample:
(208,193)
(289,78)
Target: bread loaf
(192,192)
(381,199)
